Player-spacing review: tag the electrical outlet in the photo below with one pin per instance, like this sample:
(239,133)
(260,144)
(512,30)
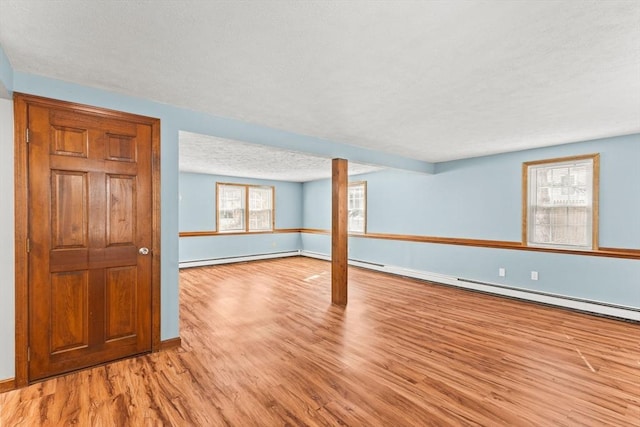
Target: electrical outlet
(534,275)
(502,272)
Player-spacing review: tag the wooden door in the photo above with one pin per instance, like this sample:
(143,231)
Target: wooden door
(90,208)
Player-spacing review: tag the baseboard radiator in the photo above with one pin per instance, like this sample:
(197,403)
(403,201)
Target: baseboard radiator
(229,260)
(589,306)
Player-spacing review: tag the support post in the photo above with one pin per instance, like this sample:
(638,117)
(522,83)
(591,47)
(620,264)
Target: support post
(339,232)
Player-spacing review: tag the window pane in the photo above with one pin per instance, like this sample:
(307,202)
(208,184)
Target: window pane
(260,208)
(357,207)
(561,204)
(231,201)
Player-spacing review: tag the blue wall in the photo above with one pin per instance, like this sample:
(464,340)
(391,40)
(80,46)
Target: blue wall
(316,204)
(198,213)
(216,247)
(497,180)
(481,199)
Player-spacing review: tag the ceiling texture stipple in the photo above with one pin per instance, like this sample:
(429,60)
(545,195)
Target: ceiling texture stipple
(429,80)
(219,156)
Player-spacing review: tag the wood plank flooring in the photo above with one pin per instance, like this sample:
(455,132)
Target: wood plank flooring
(263,346)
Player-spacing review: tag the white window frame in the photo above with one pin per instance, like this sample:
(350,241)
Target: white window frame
(560,211)
(246,208)
(357,224)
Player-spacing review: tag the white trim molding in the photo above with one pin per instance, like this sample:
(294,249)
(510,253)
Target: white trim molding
(229,260)
(595,307)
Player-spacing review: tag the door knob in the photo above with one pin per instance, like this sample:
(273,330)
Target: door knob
(143,251)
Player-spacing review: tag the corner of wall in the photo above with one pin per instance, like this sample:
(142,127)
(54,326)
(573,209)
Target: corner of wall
(7,260)
(6,76)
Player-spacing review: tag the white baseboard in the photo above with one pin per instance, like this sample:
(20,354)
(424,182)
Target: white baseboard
(229,260)
(596,307)
(316,255)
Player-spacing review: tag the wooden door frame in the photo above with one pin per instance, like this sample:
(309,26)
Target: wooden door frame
(21,103)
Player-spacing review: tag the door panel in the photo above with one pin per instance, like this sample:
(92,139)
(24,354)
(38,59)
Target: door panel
(69,141)
(69,297)
(121,302)
(90,198)
(69,206)
(121,148)
(121,196)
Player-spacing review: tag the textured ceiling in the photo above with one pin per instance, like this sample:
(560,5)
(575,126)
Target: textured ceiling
(430,80)
(218,156)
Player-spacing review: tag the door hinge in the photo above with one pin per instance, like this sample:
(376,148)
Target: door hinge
(27,134)
(28,245)
(28,354)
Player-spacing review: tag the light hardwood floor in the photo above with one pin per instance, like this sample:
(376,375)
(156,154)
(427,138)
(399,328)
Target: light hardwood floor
(263,346)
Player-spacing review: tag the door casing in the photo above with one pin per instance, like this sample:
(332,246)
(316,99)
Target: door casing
(21,104)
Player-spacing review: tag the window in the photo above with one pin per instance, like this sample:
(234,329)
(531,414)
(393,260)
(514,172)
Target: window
(260,208)
(561,202)
(357,205)
(231,207)
(233,200)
